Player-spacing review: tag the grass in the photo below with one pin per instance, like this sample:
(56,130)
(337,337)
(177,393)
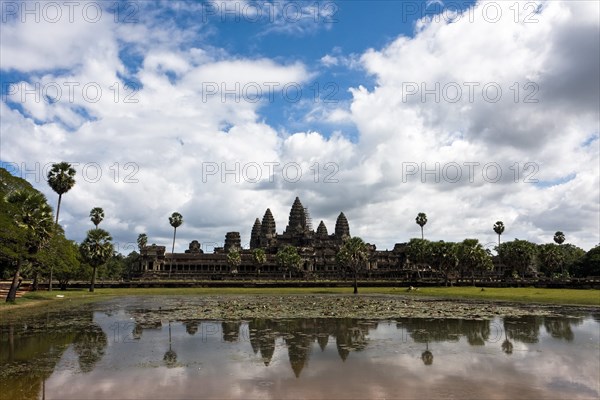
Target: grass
(584,297)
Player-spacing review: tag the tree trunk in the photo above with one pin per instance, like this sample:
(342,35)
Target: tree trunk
(34,284)
(172,252)
(58,208)
(12,293)
(422,236)
(355,284)
(472,278)
(50,279)
(93,279)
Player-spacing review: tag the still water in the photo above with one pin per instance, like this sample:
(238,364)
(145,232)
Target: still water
(106,351)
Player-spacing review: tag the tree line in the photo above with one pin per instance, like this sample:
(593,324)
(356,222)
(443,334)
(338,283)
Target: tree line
(33,243)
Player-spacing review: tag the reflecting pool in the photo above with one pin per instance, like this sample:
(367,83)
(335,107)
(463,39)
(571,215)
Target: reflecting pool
(107,350)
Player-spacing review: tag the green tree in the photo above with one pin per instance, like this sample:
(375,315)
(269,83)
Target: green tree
(61,178)
(288,259)
(551,259)
(142,241)
(421,221)
(131,263)
(353,256)
(499,229)
(519,256)
(176,220)
(472,257)
(61,256)
(96,216)
(114,268)
(96,250)
(572,257)
(32,214)
(418,252)
(442,256)
(559,237)
(259,258)
(589,264)
(234,259)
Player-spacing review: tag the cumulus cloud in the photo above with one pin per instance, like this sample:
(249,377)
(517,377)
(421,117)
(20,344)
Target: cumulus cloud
(188,138)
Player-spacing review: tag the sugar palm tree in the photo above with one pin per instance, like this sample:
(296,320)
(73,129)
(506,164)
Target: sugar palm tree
(259,258)
(499,229)
(96,250)
(176,220)
(234,259)
(61,178)
(33,216)
(96,216)
(559,237)
(353,256)
(142,241)
(427,356)
(170,357)
(421,221)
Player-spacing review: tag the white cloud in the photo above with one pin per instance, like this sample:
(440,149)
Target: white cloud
(178,131)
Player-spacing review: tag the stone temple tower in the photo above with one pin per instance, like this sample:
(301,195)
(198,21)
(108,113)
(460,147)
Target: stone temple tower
(297,222)
(255,235)
(342,229)
(322,231)
(268,233)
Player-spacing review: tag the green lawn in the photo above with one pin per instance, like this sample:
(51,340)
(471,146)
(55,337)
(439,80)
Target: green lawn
(589,297)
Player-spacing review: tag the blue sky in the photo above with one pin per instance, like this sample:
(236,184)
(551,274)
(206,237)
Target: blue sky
(387,101)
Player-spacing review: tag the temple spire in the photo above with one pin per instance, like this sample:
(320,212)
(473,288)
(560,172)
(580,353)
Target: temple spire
(297,221)
(255,235)
(268,224)
(322,231)
(342,229)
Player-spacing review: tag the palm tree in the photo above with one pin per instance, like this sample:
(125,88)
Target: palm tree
(61,178)
(559,237)
(170,357)
(96,216)
(421,221)
(353,256)
(234,259)
(499,229)
(33,216)
(142,241)
(427,356)
(96,249)
(259,258)
(176,220)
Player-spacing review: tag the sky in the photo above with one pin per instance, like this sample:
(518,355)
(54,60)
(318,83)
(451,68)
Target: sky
(469,111)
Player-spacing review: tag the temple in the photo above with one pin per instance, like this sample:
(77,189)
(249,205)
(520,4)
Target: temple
(317,249)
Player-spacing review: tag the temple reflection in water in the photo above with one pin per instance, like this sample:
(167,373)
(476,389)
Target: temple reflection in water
(36,352)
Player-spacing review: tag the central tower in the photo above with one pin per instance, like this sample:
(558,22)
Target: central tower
(297,222)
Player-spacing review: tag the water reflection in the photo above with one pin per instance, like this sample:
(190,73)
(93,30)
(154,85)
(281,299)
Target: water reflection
(63,356)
